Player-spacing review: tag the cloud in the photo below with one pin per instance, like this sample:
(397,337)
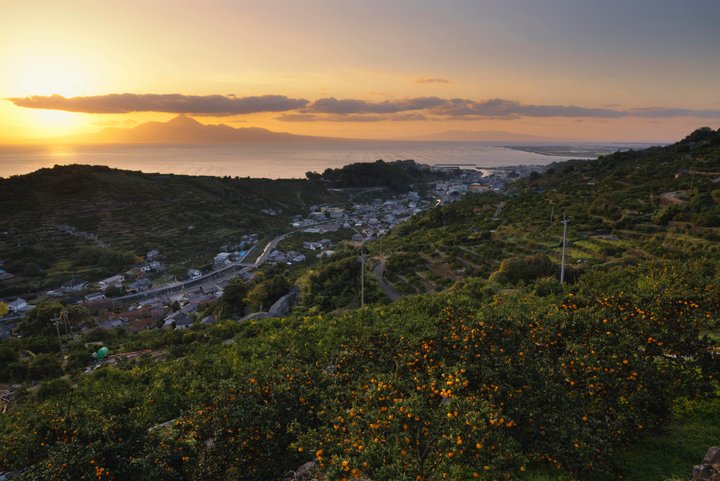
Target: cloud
(215,105)
(331,105)
(331,109)
(336,110)
(432,81)
(664,112)
(510,109)
(309,117)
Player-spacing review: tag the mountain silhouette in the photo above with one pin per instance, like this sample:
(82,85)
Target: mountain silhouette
(186,130)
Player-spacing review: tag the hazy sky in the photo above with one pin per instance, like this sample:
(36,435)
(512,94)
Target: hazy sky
(583,69)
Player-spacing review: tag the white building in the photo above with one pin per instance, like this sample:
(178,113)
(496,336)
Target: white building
(221,259)
(114,281)
(19,305)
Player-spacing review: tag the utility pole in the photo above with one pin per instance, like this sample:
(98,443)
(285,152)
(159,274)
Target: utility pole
(362,279)
(564,244)
(56,321)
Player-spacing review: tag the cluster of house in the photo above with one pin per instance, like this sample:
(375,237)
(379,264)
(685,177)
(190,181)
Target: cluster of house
(321,245)
(289,258)
(139,283)
(478,180)
(224,258)
(378,217)
(368,220)
(190,302)
(145,313)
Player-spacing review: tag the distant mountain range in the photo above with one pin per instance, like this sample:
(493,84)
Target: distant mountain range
(185,130)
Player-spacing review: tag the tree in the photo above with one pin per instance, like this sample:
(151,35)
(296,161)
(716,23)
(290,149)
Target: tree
(232,302)
(32,269)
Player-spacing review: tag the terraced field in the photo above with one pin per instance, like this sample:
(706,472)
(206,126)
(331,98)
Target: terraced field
(616,205)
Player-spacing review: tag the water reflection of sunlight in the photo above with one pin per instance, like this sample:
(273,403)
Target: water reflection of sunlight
(61,151)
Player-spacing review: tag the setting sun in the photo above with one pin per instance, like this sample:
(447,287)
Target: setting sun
(537,75)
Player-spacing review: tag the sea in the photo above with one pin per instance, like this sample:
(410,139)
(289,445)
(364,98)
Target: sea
(275,161)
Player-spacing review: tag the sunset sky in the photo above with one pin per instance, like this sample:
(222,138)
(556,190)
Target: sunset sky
(636,70)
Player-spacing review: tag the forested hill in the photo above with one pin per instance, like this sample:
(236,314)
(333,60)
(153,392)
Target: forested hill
(398,176)
(187,218)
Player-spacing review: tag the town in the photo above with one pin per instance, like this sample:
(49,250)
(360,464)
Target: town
(145,296)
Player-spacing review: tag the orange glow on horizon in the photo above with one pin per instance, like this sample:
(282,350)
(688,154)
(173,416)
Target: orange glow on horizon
(317,49)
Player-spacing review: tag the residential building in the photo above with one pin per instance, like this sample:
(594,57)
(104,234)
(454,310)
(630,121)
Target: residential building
(139,285)
(222,259)
(94,297)
(114,281)
(75,285)
(19,306)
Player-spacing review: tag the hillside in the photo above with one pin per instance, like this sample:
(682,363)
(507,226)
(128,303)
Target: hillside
(435,387)
(399,176)
(492,370)
(187,218)
(660,203)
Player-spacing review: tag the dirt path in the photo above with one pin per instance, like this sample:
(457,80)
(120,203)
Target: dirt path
(379,273)
(498,210)
(671,198)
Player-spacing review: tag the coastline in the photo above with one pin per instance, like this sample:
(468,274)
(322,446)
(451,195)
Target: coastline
(257,160)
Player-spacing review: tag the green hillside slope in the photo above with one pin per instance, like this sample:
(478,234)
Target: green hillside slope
(187,218)
(663,202)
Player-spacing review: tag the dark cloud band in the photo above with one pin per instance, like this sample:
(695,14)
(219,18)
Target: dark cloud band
(219,105)
(331,109)
(331,105)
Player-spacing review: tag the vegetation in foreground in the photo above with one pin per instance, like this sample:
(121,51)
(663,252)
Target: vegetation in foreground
(449,386)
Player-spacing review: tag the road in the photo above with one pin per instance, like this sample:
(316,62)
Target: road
(498,210)
(229,271)
(217,275)
(379,273)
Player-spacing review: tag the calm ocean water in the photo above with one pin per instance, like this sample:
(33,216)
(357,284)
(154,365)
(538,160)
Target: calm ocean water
(285,160)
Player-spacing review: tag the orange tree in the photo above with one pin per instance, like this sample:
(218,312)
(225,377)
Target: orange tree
(446,390)
(431,387)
